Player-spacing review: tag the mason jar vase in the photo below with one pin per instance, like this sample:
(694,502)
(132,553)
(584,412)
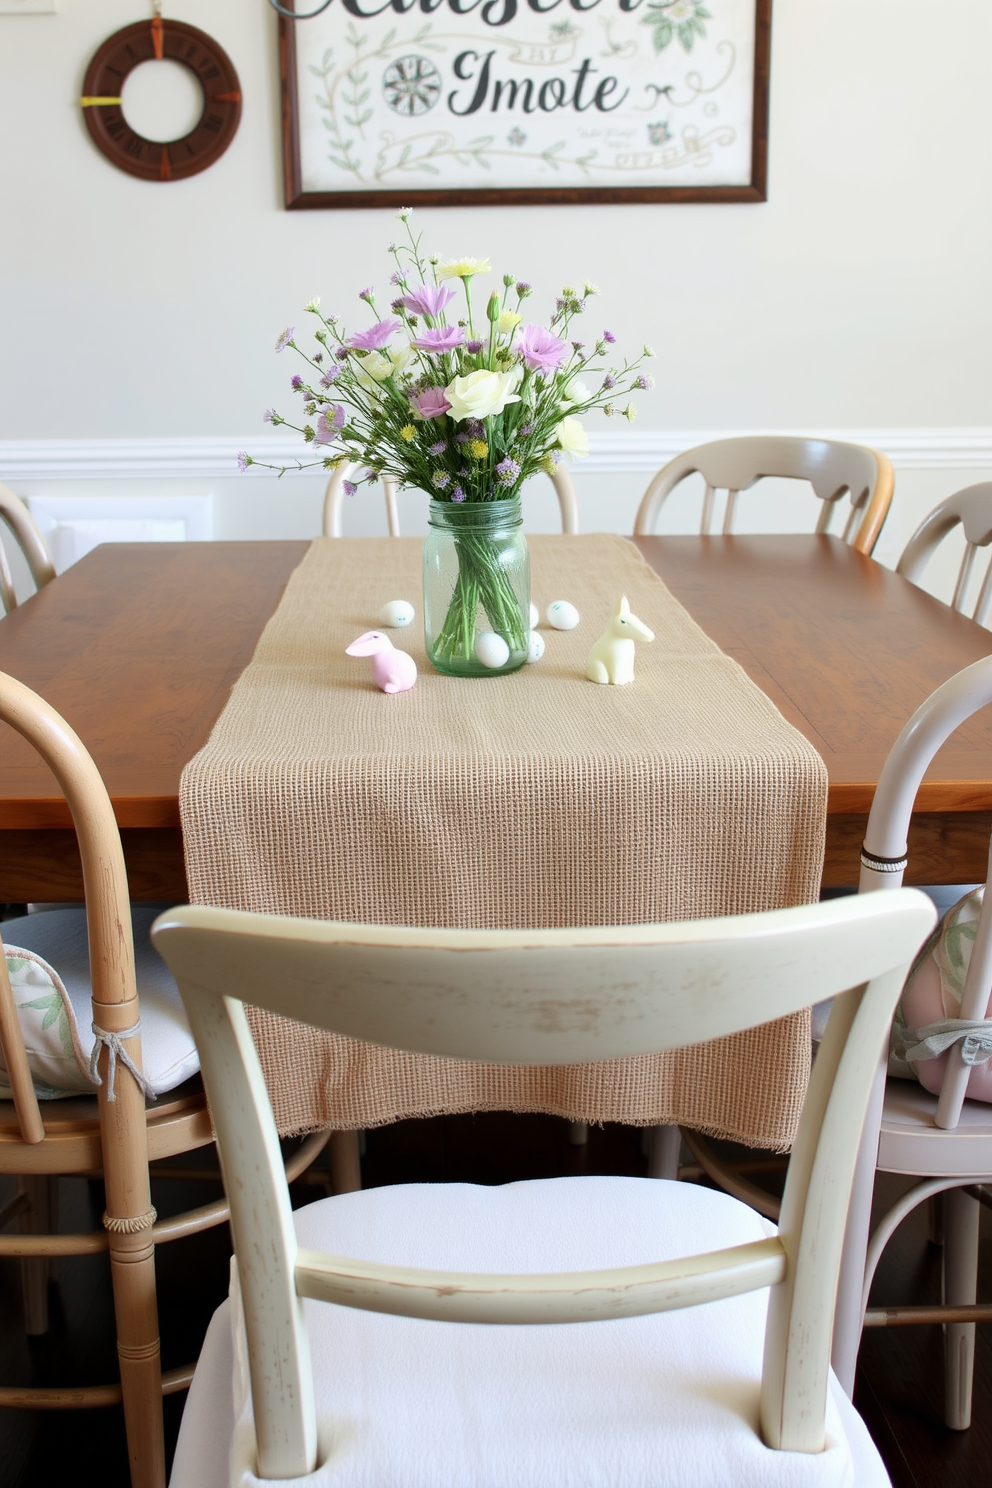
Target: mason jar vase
(476,588)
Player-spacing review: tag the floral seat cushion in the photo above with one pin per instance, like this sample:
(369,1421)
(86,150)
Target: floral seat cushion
(928,1018)
(54,1007)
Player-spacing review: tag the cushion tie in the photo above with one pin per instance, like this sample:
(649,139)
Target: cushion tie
(116,1050)
(934,1039)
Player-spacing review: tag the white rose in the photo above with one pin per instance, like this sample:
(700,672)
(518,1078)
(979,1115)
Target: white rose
(376,366)
(572,437)
(575,392)
(480,394)
(508,321)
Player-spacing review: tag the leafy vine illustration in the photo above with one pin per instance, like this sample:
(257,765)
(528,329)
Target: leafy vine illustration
(677,18)
(347,90)
(478,152)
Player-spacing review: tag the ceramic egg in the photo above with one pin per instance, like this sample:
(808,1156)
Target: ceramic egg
(535,617)
(535,646)
(491,649)
(397,612)
(562,615)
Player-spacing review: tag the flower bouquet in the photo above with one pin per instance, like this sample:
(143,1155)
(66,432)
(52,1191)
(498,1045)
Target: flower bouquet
(465,404)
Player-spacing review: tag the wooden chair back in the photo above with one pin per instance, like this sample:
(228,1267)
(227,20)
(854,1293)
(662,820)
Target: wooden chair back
(21,524)
(543,997)
(884,854)
(334,501)
(733,465)
(108,919)
(971,509)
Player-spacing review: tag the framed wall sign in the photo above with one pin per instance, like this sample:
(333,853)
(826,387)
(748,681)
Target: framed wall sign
(476,102)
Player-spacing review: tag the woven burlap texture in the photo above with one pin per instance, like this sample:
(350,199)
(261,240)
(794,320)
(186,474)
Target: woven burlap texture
(531,800)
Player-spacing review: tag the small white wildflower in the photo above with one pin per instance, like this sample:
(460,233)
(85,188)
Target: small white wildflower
(313,305)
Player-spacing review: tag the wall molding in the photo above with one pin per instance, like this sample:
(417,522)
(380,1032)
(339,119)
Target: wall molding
(637,451)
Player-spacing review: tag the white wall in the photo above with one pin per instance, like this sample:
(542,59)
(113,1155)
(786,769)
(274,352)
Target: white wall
(858,297)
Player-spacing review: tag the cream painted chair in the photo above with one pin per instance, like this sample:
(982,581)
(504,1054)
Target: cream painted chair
(374,1385)
(334,501)
(971,509)
(734,465)
(113,1130)
(944,1141)
(19,521)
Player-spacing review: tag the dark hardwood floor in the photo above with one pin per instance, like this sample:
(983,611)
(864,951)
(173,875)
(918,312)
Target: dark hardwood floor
(900,1379)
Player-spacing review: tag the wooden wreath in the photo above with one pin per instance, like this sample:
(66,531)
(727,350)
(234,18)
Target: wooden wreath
(147,41)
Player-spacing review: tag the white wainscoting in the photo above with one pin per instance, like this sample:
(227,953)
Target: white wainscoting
(633,451)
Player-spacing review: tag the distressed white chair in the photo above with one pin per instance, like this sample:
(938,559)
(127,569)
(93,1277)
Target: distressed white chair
(970,508)
(734,465)
(649,1396)
(334,501)
(944,1140)
(113,1130)
(20,523)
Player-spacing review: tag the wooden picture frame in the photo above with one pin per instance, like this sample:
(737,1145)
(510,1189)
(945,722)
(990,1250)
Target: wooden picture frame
(375,109)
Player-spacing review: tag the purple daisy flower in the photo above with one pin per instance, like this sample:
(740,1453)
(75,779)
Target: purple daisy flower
(285,338)
(330,376)
(349,488)
(609,381)
(341,353)
(396,277)
(438,449)
(329,423)
(366,294)
(268,415)
(474,347)
(440,339)
(462,437)
(458,494)
(523,288)
(525,430)
(641,382)
(375,338)
(243,461)
(429,299)
(609,337)
(296,382)
(541,349)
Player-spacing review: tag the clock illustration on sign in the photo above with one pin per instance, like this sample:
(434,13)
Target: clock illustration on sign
(412,85)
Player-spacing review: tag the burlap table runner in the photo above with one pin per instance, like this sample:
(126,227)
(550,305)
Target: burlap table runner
(536,799)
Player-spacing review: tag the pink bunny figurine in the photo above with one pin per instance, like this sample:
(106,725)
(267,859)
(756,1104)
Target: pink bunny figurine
(392,670)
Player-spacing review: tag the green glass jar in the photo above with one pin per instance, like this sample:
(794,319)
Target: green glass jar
(476,582)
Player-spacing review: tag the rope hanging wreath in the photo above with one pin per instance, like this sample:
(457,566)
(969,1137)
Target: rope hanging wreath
(161,40)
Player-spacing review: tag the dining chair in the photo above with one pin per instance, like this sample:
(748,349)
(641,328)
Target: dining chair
(971,508)
(20,523)
(334,501)
(831,466)
(372,1387)
(942,1140)
(148,1102)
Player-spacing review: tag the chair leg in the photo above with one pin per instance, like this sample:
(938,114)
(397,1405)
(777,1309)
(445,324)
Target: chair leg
(664,1145)
(36,1271)
(132,1270)
(346,1162)
(961,1214)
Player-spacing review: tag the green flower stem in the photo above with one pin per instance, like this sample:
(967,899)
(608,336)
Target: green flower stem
(481,581)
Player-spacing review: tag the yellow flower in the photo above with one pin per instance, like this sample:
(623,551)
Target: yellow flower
(508,321)
(478,449)
(464,268)
(408,432)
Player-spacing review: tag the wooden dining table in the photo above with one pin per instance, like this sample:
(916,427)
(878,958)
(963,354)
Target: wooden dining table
(138,645)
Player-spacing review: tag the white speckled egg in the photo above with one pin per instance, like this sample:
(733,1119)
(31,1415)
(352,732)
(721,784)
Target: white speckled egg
(397,612)
(491,649)
(535,617)
(535,646)
(562,615)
